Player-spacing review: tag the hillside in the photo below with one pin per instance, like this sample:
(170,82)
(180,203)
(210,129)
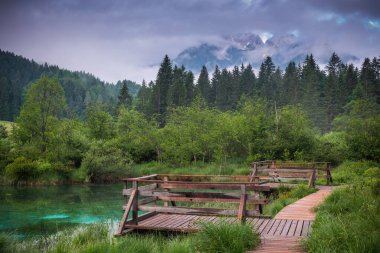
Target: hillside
(17,73)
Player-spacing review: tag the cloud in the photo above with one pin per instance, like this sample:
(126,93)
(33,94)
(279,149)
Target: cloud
(128,39)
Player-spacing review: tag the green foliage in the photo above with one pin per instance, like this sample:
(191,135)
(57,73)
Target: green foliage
(331,147)
(225,237)
(22,169)
(6,242)
(3,132)
(100,123)
(105,161)
(361,124)
(348,221)
(293,137)
(136,135)
(40,113)
(349,172)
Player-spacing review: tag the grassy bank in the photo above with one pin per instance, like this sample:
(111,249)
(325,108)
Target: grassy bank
(349,219)
(53,177)
(223,238)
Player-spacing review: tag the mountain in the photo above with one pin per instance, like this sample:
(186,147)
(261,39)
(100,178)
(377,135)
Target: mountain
(18,73)
(250,48)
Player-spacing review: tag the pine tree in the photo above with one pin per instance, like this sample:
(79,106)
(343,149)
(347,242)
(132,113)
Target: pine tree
(125,99)
(144,97)
(264,83)
(161,87)
(215,83)
(333,100)
(223,91)
(189,86)
(177,91)
(234,87)
(247,80)
(291,90)
(203,84)
(312,97)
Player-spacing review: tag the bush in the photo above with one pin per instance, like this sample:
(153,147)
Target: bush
(105,162)
(349,172)
(22,169)
(5,243)
(224,237)
(348,221)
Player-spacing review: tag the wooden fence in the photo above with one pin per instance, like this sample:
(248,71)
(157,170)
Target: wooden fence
(289,170)
(169,193)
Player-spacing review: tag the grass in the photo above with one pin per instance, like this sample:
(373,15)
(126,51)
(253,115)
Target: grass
(99,238)
(8,125)
(225,238)
(286,196)
(349,220)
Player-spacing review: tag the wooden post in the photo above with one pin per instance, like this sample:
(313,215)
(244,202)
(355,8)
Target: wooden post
(135,205)
(131,200)
(312,179)
(254,172)
(242,206)
(328,174)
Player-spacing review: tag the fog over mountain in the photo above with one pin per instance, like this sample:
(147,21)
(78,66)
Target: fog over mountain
(250,48)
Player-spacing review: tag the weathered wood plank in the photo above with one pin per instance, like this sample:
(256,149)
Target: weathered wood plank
(127,192)
(131,200)
(213,185)
(196,211)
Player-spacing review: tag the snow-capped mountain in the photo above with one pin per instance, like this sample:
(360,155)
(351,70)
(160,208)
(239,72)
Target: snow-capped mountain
(250,48)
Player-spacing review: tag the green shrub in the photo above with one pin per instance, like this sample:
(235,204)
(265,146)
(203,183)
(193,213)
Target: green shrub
(5,243)
(224,237)
(349,172)
(105,162)
(22,169)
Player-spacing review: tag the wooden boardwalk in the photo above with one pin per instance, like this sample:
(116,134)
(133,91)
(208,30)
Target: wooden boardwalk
(288,223)
(267,228)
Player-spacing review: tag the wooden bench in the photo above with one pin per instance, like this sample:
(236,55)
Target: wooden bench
(288,170)
(163,200)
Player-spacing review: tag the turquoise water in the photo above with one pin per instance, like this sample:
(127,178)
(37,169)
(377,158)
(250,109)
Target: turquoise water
(31,211)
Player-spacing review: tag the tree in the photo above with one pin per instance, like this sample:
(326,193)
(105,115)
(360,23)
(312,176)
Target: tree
(161,87)
(99,122)
(125,99)
(290,91)
(264,83)
(44,105)
(203,84)
(360,124)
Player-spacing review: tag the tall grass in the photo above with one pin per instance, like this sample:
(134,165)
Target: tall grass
(225,238)
(349,220)
(98,238)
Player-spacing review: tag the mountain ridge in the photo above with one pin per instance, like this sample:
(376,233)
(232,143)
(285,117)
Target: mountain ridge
(249,48)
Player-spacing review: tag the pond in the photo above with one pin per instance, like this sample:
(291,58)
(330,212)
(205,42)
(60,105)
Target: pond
(32,211)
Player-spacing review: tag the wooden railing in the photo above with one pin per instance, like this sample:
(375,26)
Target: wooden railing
(166,193)
(290,170)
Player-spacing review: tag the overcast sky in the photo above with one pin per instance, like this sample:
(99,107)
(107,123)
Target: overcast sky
(117,39)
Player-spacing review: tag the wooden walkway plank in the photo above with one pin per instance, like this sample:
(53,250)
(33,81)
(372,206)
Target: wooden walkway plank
(291,224)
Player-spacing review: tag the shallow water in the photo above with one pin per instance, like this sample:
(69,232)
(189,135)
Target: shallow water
(32,211)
